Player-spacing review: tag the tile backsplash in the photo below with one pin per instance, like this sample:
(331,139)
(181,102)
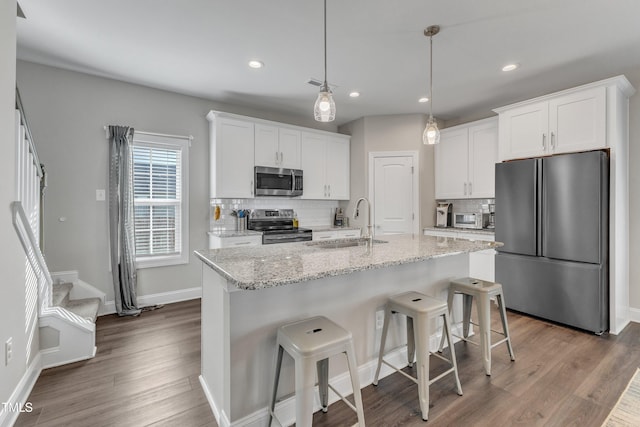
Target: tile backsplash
(470,205)
(310,212)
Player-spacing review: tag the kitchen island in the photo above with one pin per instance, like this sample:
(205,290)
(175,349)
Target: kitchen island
(247,293)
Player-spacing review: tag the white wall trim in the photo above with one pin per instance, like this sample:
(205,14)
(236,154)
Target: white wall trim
(21,394)
(159,298)
(416,181)
(634,314)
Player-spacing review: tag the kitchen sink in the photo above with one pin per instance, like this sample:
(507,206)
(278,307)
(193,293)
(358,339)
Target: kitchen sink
(337,244)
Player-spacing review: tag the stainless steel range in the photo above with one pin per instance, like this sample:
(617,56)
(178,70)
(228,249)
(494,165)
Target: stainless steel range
(277,226)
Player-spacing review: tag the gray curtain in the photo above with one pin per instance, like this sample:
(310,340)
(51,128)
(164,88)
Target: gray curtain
(121,225)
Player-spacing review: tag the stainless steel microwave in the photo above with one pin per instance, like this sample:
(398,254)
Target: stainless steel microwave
(277,182)
(470,220)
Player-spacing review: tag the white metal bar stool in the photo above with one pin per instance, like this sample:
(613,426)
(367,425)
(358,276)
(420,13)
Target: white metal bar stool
(483,291)
(311,342)
(421,311)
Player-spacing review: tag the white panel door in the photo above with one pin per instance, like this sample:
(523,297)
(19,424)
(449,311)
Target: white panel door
(393,195)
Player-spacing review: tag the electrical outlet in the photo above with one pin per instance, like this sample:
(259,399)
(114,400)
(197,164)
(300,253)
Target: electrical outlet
(100,195)
(8,351)
(379,319)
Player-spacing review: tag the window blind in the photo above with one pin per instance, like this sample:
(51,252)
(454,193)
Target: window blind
(157,188)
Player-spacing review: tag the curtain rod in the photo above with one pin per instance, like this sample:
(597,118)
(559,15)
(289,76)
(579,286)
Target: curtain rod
(190,137)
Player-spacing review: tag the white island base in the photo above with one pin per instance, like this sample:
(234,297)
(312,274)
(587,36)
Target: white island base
(239,331)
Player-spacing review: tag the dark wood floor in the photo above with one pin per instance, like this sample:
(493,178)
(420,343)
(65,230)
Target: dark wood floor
(146,373)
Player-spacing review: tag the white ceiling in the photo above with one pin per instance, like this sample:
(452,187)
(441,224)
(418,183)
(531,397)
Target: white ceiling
(201,48)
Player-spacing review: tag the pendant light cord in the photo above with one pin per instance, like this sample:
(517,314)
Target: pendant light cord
(430,75)
(325,46)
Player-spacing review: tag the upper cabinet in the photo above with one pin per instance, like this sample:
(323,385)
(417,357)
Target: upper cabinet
(277,147)
(465,160)
(239,143)
(568,121)
(325,164)
(231,157)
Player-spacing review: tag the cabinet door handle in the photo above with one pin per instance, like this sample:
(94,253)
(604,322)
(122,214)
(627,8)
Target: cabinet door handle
(544,139)
(325,190)
(281,158)
(553,140)
(470,189)
(241,243)
(329,190)
(251,187)
(277,159)
(465,188)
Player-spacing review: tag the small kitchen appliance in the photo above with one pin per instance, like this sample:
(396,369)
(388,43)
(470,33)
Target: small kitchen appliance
(443,214)
(338,218)
(277,182)
(277,226)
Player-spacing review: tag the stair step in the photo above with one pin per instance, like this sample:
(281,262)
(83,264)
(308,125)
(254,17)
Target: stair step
(60,294)
(86,308)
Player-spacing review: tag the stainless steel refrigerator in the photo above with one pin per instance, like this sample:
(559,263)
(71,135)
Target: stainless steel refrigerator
(552,216)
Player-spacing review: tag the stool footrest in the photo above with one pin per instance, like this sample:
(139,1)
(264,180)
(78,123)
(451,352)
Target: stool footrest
(400,371)
(445,373)
(499,342)
(344,399)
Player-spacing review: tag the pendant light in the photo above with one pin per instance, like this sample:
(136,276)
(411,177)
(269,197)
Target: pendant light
(325,109)
(431,133)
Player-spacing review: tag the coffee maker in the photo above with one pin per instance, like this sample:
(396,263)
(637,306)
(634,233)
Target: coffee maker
(443,214)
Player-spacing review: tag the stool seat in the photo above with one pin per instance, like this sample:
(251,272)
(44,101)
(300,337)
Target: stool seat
(311,342)
(482,291)
(312,336)
(421,311)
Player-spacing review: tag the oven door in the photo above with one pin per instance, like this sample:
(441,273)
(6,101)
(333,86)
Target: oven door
(277,182)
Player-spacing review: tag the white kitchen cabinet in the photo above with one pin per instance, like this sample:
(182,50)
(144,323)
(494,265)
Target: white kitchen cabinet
(571,121)
(231,157)
(336,234)
(325,162)
(217,242)
(277,147)
(481,263)
(465,161)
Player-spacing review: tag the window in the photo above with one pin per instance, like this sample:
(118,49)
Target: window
(161,199)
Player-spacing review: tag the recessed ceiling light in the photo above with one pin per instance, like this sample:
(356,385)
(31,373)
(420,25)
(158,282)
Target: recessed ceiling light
(354,94)
(255,64)
(510,67)
(423,99)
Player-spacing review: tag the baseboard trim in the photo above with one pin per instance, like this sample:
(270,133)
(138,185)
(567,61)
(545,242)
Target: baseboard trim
(221,417)
(634,314)
(19,397)
(160,298)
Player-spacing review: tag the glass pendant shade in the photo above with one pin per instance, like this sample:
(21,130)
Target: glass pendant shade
(431,134)
(325,109)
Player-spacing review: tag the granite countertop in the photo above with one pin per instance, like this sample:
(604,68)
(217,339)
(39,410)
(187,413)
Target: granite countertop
(234,233)
(268,266)
(462,230)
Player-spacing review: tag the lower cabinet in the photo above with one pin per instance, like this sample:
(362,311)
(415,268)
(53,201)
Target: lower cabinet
(217,242)
(481,263)
(336,234)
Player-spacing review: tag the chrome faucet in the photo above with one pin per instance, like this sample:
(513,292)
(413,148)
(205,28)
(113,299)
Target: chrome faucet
(356,214)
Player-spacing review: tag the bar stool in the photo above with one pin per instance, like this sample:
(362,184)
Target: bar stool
(421,311)
(483,291)
(311,342)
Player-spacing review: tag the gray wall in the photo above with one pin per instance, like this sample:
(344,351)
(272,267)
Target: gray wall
(12,295)
(391,133)
(67,112)
(634,195)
